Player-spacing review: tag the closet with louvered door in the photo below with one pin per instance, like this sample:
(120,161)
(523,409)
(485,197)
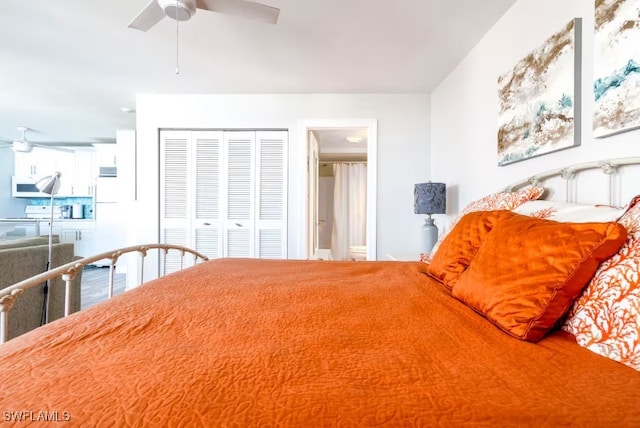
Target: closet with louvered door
(271,197)
(206,217)
(224,192)
(174,186)
(240,176)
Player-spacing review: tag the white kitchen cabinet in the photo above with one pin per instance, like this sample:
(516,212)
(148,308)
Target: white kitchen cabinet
(26,164)
(224,192)
(81,234)
(65,164)
(107,155)
(85,173)
(78,169)
(42,162)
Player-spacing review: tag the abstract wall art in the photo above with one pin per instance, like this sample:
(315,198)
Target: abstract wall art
(539,99)
(616,66)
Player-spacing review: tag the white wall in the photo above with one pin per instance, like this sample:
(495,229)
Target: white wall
(465,105)
(9,206)
(403,151)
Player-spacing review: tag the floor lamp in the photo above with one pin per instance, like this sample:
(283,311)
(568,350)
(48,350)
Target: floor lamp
(49,185)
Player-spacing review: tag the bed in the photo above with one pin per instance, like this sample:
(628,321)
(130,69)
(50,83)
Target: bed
(248,342)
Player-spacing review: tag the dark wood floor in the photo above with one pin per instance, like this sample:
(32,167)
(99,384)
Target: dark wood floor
(95,284)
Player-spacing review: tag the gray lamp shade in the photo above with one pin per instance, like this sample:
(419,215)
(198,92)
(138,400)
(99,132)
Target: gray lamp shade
(49,184)
(430,198)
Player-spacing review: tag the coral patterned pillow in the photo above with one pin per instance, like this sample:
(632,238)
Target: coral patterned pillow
(494,202)
(606,317)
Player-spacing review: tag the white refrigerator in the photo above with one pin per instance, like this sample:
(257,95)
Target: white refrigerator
(110,220)
(106,190)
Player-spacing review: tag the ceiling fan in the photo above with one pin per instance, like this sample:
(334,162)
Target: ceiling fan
(182,10)
(22,145)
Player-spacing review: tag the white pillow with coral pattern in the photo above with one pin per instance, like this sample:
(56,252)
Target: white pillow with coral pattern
(606,318)
(570,212)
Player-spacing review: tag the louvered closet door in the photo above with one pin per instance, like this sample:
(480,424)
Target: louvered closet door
(175,188)
(207,186)
(239,168)
(271,207)
(224,193)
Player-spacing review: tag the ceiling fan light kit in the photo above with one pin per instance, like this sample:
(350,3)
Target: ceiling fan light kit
(22,146)
(180,10)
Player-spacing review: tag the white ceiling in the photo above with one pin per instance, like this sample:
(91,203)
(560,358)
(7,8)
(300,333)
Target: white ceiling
(333,143)
(68,66)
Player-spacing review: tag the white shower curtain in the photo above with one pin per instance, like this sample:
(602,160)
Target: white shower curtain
(349,208)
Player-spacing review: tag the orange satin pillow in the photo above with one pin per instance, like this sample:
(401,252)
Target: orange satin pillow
(529,271)
(461,245)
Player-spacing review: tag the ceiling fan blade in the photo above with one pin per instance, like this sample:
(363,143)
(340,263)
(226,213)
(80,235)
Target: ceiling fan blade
(148,17)
(60,149)
(242,8)
(49,144)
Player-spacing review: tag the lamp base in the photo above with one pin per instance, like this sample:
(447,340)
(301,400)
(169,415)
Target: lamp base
(428,236)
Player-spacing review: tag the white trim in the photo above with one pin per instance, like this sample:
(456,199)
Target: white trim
(306,125)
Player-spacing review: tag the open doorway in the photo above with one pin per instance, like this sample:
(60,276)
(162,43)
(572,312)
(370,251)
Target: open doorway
(341,190)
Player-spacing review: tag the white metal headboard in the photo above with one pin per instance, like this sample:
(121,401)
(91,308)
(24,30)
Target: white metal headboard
(618,190)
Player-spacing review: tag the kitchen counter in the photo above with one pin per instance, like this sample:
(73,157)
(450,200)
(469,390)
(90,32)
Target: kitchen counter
(12,228)
(36,220)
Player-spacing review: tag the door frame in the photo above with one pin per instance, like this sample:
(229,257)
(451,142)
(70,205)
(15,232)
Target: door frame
(371,125)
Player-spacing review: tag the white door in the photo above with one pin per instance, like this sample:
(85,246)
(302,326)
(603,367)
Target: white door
(175,186)
(239,168)
(271,203)
(312,196)
(207,188)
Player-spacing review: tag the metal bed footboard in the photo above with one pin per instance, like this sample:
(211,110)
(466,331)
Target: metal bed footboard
(9,295)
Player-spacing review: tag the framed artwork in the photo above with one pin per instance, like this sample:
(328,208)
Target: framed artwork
(616,87)
(539,99)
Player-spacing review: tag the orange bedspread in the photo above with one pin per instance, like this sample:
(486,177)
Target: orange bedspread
(302,343)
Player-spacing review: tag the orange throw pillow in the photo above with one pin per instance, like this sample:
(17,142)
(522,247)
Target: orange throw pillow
(461,245)
(529,271)
(496,201)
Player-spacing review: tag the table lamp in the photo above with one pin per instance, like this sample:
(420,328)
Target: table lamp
(429,198)
(49,185)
